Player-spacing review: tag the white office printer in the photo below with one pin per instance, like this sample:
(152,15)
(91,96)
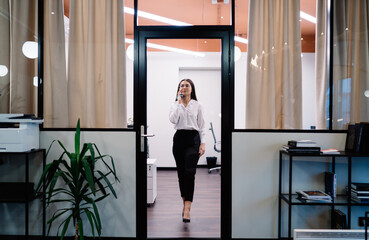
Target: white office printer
(19,132)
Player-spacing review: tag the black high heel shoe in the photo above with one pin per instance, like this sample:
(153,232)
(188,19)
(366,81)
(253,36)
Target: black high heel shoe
(185,220)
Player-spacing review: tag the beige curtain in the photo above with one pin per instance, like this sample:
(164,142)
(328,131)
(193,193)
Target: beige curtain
(351,62)
(96,66)
(4,56)
(23,95)
(273,89)
(55,79)
(18,95)
(321,46)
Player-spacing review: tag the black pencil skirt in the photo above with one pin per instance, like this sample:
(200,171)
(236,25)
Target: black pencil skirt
(186,144)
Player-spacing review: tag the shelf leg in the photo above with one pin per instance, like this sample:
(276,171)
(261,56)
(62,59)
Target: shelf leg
(27,199)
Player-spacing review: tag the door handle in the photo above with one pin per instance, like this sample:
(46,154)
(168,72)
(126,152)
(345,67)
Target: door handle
(143,136)
(148,135)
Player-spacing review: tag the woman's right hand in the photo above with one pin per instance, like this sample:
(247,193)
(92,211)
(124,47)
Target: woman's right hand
(179,97)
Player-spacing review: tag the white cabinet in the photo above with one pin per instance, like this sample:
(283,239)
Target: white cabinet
(151,180)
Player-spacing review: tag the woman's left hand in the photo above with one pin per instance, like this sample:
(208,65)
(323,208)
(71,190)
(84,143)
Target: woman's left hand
(202,149)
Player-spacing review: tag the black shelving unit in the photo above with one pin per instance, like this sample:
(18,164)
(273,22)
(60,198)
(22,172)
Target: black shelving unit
(15,196)
(291,199)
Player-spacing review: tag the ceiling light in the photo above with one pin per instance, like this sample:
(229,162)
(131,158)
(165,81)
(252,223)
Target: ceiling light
(366,93)
(30,49)
(156,17)
(130,52)
(307,17)
(170,49)
(219,1)
(241,40)
(3,70)
(237,53)
(35,81)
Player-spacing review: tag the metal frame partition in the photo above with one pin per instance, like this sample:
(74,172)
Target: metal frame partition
(225,34)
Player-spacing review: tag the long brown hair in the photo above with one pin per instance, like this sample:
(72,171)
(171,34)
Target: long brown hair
(193,92)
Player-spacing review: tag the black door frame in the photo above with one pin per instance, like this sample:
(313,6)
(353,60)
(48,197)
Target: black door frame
(226,35)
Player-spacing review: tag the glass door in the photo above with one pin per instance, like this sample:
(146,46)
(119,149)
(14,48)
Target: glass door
(157,74)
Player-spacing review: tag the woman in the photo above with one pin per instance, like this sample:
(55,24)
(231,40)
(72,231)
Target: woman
(189,140)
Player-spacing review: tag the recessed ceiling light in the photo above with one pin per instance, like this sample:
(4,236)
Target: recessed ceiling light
(3,70)
(30,49)
(170,49)
(156,17)
(307,17)
(241,40)
(35,81)
(366,93)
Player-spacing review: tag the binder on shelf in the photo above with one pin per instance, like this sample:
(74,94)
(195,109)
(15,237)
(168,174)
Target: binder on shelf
(308,150)
(330,180)
(359,192)
(357,139)
(302,143)
(339,219)
(314,195)
(360,186)
(350,138)
(364,144)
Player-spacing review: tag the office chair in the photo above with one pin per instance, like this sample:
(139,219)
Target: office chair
(217,148)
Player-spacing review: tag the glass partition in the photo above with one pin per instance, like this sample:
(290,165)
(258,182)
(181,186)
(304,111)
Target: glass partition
(87,73)
(350,63)
(18,56)
(275,78)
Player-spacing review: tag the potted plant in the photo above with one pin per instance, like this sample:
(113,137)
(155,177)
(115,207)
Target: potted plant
(84,183)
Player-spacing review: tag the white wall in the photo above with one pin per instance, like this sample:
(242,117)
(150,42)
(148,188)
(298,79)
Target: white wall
(117,215)
(165,69)
(255,165)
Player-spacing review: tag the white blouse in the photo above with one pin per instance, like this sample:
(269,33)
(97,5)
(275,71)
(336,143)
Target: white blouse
(188,118)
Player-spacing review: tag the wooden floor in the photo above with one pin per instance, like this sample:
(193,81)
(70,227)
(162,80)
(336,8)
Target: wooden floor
(164,217)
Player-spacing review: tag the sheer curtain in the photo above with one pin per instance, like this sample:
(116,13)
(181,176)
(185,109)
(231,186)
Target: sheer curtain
(4,56)
(94,87)
(96,66)
(55,80)
(321,47)
(351,62)
(18,25)
(273,85)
